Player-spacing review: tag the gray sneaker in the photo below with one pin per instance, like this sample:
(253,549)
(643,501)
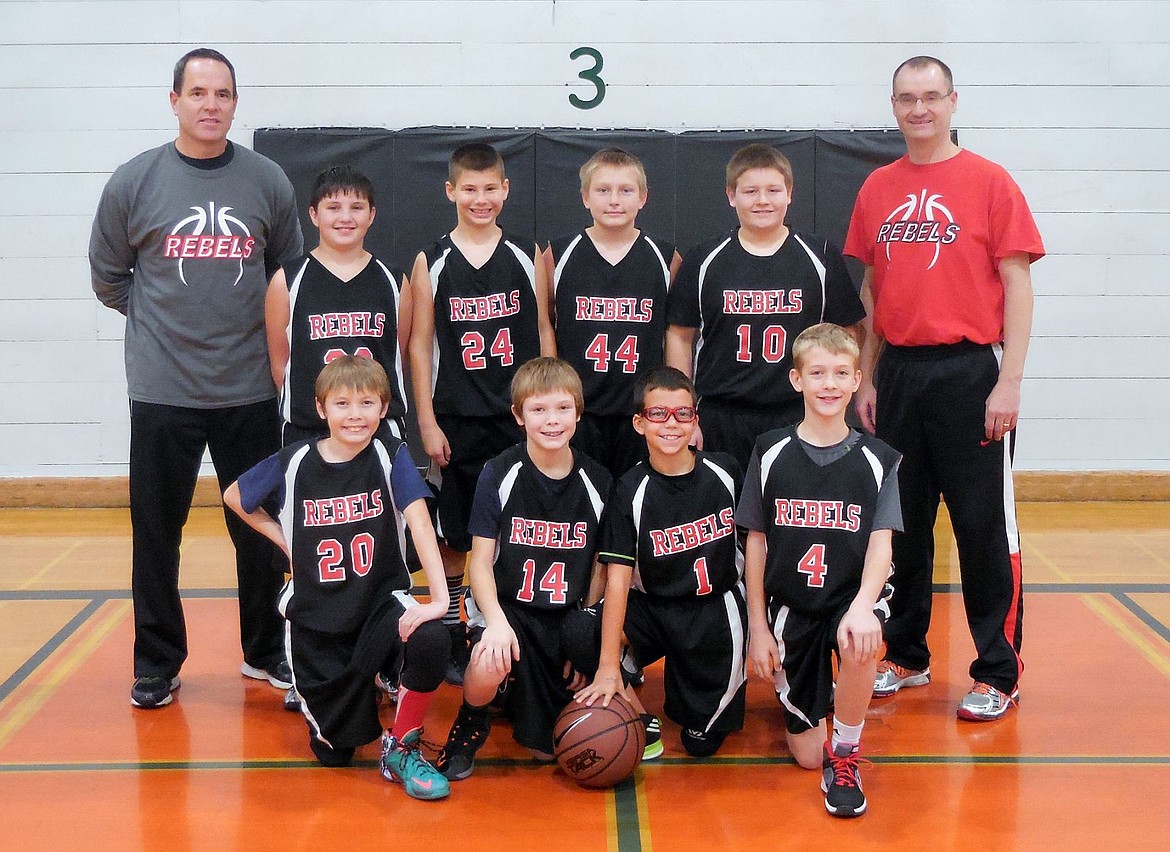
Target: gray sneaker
(151,692)
(985,703)
(891,677)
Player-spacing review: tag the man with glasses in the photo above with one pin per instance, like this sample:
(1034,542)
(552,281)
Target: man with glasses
(947,240)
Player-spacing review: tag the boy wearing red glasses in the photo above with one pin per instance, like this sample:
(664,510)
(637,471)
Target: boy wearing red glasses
(675,571)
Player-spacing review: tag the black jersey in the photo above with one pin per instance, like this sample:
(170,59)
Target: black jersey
(546,530)
(330,317)
(678,532)
(748,309)
(486,325)
(818,519)
(345,526)
(611,318)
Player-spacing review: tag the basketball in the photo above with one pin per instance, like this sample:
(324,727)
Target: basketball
(599,746)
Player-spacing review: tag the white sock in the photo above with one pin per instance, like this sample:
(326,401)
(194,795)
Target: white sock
(849,735)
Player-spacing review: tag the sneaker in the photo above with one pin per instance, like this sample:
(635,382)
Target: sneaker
(635,676)
(150,692)
(403,763)
(387,688)
(654,747)
(460,654)
(292,701)
(985,703)
(278,674)
(701,743)
(891,677)
(841,781)
(469,731)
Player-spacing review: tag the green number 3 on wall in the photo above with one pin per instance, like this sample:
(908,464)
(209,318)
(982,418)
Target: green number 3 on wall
(592,75)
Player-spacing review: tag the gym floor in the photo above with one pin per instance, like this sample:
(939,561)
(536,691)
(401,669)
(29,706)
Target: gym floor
(1082,764)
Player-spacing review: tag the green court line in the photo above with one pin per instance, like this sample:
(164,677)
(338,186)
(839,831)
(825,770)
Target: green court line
(626,798)
(1143,614)
(55,641)
(629,832)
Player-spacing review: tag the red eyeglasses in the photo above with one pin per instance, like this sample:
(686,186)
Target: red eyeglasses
(662,413)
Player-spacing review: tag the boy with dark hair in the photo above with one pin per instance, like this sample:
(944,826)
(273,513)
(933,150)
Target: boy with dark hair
(345,501)
(534,525)
(820,503)
(609,284)
(480,310)
(337,299)
(670,533)
(741,299)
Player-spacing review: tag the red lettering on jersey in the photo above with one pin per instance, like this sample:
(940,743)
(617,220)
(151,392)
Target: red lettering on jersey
(693,533)
(556,535)
(818,514)
(330,511)
(346,324)
(762,301)
(480,308)
(610,309)
(204,246)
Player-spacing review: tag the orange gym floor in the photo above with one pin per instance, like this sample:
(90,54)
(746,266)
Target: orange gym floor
(1083,764)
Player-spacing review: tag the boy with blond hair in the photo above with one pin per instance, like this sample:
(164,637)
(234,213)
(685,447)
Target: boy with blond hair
(345,502)
(742,298)
(820,503)
(609,285)
(480,310)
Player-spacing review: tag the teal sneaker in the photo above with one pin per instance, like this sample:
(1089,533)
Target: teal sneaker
(403,762)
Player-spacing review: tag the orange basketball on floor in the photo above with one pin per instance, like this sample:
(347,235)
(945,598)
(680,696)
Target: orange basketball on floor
(599,746)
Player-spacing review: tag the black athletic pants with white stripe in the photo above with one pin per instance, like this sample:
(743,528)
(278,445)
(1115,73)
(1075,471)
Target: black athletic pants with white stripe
(930,407)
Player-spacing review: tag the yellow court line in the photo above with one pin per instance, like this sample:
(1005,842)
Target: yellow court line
(1033,552)
(18,711)
(53,563)
(1112,615)
(1136,542)
(643,814)
(611,827)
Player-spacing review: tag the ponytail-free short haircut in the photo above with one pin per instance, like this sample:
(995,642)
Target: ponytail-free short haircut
(917,63)
(829,336)
(546,375)
(757,156)
(355,373)
(615,158)
(200,53)
(474,157)
(339,180)
(663,378)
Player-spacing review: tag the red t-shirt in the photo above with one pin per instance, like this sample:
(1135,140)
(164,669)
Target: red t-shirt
(934,235)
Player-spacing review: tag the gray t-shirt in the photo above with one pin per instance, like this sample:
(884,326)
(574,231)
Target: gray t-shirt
(183,253)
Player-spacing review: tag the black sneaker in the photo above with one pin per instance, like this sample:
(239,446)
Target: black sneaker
(460,654)
(841,781)
(279,674)
(469,731)
(151,692)
(701,743)
(654,747)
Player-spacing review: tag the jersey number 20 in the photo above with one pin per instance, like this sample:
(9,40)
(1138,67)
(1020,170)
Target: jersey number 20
(361,556)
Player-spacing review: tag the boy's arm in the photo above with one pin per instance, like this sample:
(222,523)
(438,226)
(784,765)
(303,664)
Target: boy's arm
(550,266)
(675,263)
(277,313)
(608,679)
(258,520)
(865,401)
(405,313)
(548,341)
(763,651)
(859,634)
(499,643)
(422,533)
(422,341)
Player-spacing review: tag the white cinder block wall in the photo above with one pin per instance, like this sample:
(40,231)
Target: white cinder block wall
(1073,96)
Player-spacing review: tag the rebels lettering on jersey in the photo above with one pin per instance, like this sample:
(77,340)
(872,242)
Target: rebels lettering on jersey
(342,510)
(480,308)
(352,324)
(820,514)
(917,232)
(201,247)
(761,301)
(603,309)
(551,534)
(693,534)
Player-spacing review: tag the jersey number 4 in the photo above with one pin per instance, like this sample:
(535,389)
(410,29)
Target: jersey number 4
(361,556)
(553,582)
(813,564)
(472,343)
(627,354)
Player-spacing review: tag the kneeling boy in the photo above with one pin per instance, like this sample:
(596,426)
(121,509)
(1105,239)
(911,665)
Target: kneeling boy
(534,526)
(821,502)
(345,501)
(670,532)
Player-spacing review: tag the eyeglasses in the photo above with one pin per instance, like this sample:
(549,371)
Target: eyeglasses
(661,413)
(930,99)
